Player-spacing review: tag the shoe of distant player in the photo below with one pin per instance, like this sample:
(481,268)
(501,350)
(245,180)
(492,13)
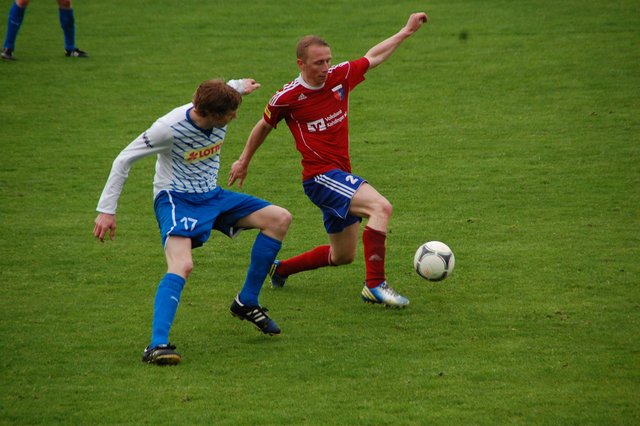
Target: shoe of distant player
(161,355)
(277,281)
(7,54)
(76,53)
(385,295)
(256,315)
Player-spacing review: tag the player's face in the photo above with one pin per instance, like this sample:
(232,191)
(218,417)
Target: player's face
(214,120)
(315,67)
(226,119)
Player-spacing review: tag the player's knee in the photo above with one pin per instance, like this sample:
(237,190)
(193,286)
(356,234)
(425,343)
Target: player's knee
(382,209)
(281,222)
(386,208)
(184,268)
(285,219)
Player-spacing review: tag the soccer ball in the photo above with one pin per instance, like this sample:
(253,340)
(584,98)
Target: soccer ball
(434,261)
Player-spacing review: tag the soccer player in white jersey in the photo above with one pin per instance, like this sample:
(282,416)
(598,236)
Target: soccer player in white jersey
(315,107)
(189,204)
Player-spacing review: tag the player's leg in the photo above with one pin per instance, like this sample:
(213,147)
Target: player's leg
(317,257)
(331,192)
(369,203)
(343,245)
(179,266)
(68,25)
(341,250)
(16,16)
(273,223)
(241,211)
(177,222)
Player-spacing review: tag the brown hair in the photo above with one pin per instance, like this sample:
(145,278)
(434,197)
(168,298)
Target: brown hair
(216,97)
(305,42)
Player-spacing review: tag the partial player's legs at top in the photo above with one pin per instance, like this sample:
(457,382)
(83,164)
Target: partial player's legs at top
(67,23)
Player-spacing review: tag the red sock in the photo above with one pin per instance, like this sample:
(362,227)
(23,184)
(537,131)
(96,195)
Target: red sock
(312,259)
(374,252)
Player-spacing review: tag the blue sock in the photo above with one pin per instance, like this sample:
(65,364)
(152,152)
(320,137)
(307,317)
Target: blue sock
(264,252)
(16,15)
(165,307)
(68,24)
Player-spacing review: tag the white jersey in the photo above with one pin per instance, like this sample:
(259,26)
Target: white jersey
(188,158)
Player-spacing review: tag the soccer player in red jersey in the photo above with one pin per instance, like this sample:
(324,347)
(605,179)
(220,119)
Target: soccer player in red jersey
(315,107)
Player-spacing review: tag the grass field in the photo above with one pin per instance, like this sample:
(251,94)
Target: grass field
(518,145)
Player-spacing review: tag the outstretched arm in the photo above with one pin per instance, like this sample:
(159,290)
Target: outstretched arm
(381,51)
(244,85)
(240,167)
(249,85)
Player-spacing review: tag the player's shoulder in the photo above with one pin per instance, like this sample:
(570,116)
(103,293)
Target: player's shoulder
(344,68)
(176,115)
(162,128)
(287,93)
(341,65)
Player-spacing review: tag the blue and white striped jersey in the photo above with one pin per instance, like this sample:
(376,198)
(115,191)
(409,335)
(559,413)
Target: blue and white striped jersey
(188,158)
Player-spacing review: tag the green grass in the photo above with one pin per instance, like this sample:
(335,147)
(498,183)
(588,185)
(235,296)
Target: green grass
(518,146)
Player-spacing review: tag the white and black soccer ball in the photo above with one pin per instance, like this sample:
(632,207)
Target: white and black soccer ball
(434,261)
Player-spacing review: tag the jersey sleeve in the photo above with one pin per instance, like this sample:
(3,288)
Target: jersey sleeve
(156,139)
(274,111)
(238,85)
(357,70)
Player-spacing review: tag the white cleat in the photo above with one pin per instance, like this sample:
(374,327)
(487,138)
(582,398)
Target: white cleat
(385,295)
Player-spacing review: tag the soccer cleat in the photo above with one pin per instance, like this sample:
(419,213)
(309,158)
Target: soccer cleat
(256,315)
(76,53)
(277,281)
(7,54)
(161,355)
(385,295)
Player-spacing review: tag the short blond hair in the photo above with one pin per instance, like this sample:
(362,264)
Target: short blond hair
(305,42)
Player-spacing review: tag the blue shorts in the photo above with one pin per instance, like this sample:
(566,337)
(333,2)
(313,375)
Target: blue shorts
(195,215)
(332,192)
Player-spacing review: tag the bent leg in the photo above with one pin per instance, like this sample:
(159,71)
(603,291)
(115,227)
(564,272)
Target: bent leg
(344,244)
(315,258)
(341,250)
(273,222)
(369,203)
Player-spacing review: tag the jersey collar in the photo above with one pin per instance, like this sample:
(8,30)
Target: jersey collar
(307,85)
(207,132)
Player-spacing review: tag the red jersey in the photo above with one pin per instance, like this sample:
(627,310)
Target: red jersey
(318,117)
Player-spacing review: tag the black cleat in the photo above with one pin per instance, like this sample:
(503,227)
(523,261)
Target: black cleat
(161,355)
(76,53)
(7,54)
(256,315)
